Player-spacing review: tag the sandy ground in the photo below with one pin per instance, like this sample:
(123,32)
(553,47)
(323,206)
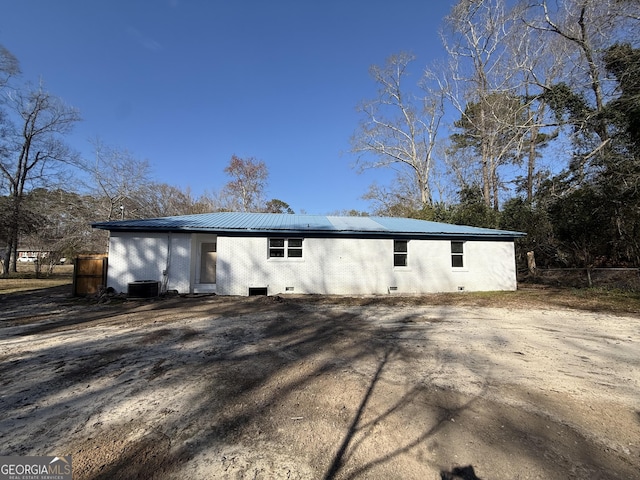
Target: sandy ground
(306,388)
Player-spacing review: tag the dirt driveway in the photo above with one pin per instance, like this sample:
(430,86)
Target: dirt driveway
(318,388)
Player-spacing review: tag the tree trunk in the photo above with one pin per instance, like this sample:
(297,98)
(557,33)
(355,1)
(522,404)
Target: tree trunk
(531,163)
(531,263)
(494,185)
(14,255)
(6,259)
(486,169)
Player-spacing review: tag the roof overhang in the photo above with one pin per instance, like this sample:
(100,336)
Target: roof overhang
(284,225)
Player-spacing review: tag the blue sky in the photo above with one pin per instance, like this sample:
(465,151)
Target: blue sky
(186,84)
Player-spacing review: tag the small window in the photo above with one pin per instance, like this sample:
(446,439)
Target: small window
(276,247)
(285,248)
(294,249)
(400,251)
(457,254)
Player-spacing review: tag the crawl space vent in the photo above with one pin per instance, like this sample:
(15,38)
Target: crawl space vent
(257,291)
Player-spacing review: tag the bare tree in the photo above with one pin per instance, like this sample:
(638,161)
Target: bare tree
(535,67)
(582,30)
(120,181)
(62,226)
(9,66)
(246,189)
(213,201)
(481,86)
(166,200)
(399,129)
(397,200)
(32,151)
(125,188)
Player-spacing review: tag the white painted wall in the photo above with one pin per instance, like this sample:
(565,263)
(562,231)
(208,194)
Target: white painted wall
(146,256)
(363,266)
(329,265)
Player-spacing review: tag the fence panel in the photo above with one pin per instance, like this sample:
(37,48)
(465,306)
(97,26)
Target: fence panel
(89,274)
(622,278)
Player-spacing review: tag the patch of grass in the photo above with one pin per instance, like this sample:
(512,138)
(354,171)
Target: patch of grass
(591,299)
(25,279)
(618,302)
(598,299)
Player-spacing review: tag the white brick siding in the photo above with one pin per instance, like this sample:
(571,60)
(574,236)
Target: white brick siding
(144,257)
(363,266)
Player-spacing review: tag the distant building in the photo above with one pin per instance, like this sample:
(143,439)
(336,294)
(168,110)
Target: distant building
(30,255)
(254,253)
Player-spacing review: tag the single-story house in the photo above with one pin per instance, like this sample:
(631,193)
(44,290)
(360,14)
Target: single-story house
(261,253)
(30,254)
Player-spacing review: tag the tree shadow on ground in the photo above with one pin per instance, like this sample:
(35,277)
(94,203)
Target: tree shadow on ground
(248,358)
(350,443)
(339,458)
(239,376)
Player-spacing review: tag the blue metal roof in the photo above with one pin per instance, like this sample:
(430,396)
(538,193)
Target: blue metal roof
(280,223)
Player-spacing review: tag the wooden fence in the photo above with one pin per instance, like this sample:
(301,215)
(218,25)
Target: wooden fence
(623,278)
(89,274)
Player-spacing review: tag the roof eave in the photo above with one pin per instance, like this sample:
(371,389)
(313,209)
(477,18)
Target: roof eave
(311,232)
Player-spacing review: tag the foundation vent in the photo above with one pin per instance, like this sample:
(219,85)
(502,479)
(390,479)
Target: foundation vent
(143,289)
(257,291)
